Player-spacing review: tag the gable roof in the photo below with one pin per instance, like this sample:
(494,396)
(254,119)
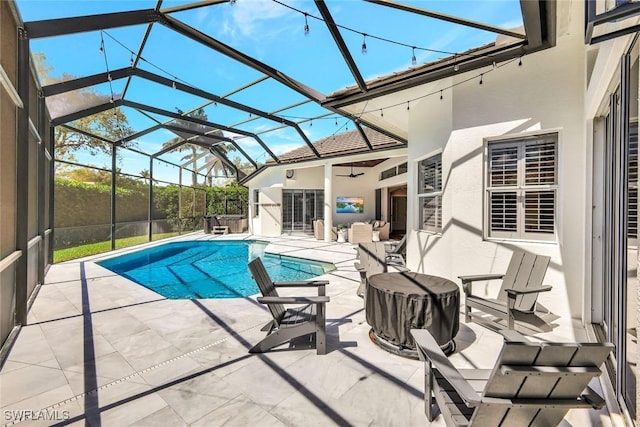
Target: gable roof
(341,143)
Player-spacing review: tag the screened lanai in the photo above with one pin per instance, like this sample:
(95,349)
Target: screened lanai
(163,99)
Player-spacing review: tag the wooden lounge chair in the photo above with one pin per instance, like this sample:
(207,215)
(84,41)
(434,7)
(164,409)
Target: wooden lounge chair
(517,299)
(291,323)
(531,384)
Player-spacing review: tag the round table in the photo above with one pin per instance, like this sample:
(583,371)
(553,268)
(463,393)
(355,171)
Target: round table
(395,303)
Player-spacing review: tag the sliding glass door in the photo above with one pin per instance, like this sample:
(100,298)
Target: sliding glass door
(300,208)
(616,232)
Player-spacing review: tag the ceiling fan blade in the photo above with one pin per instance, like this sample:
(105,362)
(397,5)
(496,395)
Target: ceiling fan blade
(358,174)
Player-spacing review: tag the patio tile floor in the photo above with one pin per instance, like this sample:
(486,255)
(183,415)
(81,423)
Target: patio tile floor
(100,349)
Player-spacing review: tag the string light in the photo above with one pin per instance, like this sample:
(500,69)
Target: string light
(173,84)
(481,75)
(101,48)
(456,67)
(520,62)
(381,113)
(408,108)
(336,121)
(306,24)
(364,43)
(414,61)
(310,123)
(132,61)
(440,95)
(109,77)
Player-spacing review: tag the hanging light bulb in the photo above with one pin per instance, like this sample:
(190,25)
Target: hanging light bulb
(408,108)
(101,49)
(364,43)
(173,84)
(520,62)
(132,60)
(481,76)
(381,113)
(336,121)
(441,95)
(112,100)
(456,67)
(232,2)
(494,64)
(310,123)
(306,25)
(109,76)
(414,61)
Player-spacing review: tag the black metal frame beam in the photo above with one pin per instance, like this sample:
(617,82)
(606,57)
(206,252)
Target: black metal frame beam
(190,32)
(83,82)
(81,24)
(86,112)
(593,19)
(22,180)
(540,24)
(363,135)
(186,118)
(448,18)
(87,134)
(337,38)
(427,74)
(615,34)
(191,6)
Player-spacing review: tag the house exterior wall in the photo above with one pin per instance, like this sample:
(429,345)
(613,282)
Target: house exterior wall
(544,94)
(273,181)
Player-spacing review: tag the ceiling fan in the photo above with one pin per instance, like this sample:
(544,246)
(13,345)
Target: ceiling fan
(352,175)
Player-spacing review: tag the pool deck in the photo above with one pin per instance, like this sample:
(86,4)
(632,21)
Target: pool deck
(101,350)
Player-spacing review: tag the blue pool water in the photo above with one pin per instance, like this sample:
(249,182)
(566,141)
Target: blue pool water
(188,270)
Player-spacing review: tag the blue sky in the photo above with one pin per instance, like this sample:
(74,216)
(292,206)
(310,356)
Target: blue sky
(272,33)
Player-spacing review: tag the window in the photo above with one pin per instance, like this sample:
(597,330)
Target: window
(394,171)
(430,194)
(256,202)
(521,188)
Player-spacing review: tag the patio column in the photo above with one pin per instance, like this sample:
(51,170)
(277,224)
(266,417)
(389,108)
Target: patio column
(328,197)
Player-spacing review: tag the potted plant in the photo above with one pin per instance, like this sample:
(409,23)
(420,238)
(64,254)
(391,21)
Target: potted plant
(342,233)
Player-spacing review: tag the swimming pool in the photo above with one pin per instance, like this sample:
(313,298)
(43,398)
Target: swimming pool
(205,269)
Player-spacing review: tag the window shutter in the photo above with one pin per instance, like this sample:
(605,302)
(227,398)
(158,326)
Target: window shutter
(540,162)
(503,165)
(522,186)
(504,212)
(539,211)
(430,174)
(632,212)
(430,216)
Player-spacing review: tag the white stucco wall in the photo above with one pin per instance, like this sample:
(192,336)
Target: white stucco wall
(542,95)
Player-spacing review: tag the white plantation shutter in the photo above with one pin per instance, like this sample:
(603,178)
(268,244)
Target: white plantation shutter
(632,213)
(522,185)
(430,194)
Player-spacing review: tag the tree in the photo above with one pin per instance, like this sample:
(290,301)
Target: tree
(196,150)
(111,124)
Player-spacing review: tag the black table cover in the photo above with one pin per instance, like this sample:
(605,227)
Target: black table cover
(398,302)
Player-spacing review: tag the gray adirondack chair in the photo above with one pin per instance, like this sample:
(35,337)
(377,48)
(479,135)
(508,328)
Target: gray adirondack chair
(291,323)
(531,384)
(396,252)
(371,260)
(517,299)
